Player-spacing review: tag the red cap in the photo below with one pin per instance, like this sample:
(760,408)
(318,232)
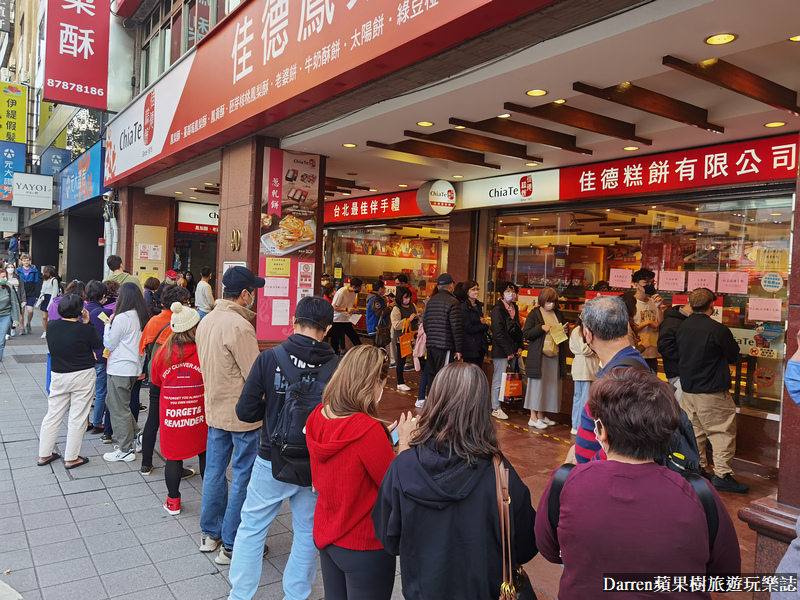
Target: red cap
(171,274)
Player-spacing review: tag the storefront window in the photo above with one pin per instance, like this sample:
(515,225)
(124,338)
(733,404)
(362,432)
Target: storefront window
(419,249)
(741,249)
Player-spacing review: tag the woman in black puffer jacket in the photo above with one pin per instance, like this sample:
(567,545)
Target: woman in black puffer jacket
(473,324)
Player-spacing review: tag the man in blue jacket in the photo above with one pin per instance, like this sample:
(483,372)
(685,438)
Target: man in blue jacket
(378,309)
(30,280)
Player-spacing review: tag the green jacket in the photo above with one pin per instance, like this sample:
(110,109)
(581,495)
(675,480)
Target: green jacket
(9,304)
(123,278)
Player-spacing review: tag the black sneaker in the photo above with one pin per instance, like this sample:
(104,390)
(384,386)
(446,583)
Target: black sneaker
(705,474)
(186,473)
(145,470)
(96,429)
(729,484)
(142,408)
(106,439)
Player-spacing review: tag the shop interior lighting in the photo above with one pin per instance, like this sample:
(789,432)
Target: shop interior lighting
(458,176)
(654,206)
(504,116)
(349,145)
(536,93)
(532,164)
(631,148)
(372,190)
(795,38)
(425,123)
(178,192)
(608,210)
(721,38)
(534,218)
(192,197)
(209,184)
(775,124)
(618,230)
(774,214)
(559,101)
(460,127)
(402,185)
(193,189)
(345,193)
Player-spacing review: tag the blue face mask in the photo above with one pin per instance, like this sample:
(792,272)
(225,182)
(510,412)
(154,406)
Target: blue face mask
(791,379)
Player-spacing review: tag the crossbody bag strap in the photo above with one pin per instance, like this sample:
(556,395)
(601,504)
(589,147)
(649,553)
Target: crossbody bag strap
(507,591)
(554,500)
(706,498)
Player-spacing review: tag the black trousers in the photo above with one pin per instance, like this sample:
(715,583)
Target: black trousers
(400,363)
(652,363)
(338,333)
(151,426)
(437,359)
(357,574)
(173,471)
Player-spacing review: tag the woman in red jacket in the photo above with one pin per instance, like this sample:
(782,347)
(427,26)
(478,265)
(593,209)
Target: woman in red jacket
(350,450)
(176,370)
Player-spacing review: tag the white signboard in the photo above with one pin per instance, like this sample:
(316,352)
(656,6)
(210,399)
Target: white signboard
(750,339)
(9,220)
(197,217)
(510,190)
(33,191)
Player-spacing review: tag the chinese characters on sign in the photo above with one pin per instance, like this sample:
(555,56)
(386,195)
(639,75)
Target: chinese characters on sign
(13,112)
(400,204)
(740,162)
(13,157)
(76,56)
(5,16)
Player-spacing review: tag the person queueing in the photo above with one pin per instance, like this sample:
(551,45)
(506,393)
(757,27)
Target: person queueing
(204,294)
(507,342)
(48,292)
(351,449)
(176,372)
(19,291)
(71,343)
(344,306)
(584,371)
(474,326)
(404,312)
(95,297)
(121,338)
(9,313)
(150,286)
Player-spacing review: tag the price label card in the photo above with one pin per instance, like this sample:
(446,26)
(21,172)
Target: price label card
(620,278)
(702,279)
(764,309)
(732,283)
(672,281)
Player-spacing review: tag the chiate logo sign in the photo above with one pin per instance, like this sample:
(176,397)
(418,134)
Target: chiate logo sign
(436,198)
(149,117)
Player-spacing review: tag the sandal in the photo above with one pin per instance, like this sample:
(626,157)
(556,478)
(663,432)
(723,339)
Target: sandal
(83,460)
(55,456)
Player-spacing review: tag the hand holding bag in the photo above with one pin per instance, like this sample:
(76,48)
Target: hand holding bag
(516,584)
(406,340)
(512,388)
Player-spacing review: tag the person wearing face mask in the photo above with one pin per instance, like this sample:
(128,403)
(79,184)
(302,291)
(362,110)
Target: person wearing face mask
(19,293)
(351,450)
(507,342)
(170,278)
(403,312)
(9,313)
(546,362)
(227,348)
(473,323)
(649,314)
(262,400)
(628,513)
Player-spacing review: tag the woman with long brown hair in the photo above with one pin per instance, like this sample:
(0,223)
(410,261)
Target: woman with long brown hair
(350,449)
(437,506)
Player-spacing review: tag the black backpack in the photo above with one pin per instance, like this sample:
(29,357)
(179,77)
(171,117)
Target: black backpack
(289,454)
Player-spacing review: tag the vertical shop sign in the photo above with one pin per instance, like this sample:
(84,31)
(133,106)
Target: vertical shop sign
(82,179)
(5,16)
(76,56)
(13,112)
(289,201)
(13,157)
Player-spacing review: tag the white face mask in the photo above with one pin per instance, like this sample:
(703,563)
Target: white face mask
(473,293)
(548,306)
(378,399)
(509,296)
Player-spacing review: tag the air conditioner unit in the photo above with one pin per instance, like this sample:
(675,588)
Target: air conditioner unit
(5,74)
(12,65)
(25,77)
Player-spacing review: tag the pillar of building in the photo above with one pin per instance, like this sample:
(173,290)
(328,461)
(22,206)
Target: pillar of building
(139,210)
(462,240)
(774,518)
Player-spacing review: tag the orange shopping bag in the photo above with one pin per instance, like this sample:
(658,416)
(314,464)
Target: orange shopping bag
(406,340)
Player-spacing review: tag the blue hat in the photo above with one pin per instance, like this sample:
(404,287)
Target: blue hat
(239,278)
(444,279)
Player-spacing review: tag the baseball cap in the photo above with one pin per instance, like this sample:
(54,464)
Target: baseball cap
(239,278)
(171,274)
(444,279)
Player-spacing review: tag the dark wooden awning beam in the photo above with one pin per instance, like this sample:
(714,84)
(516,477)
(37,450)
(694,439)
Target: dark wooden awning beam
(472,141)
(435,151)
(523,131)
(628,94)
(741,81)
(335,182)
(582,119)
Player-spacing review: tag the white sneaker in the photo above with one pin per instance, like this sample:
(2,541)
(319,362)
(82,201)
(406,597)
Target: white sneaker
(573,431)
(8,337)
(44,335)
(499,414)
(208,543)
(547,421)
(119,455)
(138,444)
(403,388)
(420,403)
(539,424)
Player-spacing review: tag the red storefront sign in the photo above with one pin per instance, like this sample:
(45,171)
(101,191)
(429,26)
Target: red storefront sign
(198,228)
(764,159)
(372,208)
(270,59)
(76,56)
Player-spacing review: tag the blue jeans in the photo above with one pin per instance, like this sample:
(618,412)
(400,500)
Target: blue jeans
(48,375)
(5,327)
(219,514)
(264,497)
(100,389)
(499,377)
(579,401)
(201,313)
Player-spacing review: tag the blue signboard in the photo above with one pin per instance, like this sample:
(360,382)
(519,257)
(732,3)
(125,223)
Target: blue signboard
(13,156)
(55,159)
(83,178)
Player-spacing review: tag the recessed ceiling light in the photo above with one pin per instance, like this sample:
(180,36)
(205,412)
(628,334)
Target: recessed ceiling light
(372,190)
(560,101)
(774,214)
(795,38)
(460,127)
(503,116)
(653,206)
(349,145)
(721,38)
(345,193)
(775,124)
(698,208)
(536,93)
(458,176)
(501,220)
(631,148)
(178,192)
(424,123)
(193,189)
(210,184)
(403,185)
(534,218)
(618,230)
(752,219)
(192,197)
(608,210)
(532,164)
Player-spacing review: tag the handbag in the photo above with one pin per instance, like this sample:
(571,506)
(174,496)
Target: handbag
(383,332)
(406,340)
(516,583)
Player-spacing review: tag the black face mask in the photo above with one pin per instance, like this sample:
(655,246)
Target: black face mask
(649,289)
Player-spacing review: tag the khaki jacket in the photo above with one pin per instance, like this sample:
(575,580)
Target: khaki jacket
(227,347)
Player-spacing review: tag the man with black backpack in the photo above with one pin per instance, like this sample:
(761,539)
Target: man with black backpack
(284,386)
